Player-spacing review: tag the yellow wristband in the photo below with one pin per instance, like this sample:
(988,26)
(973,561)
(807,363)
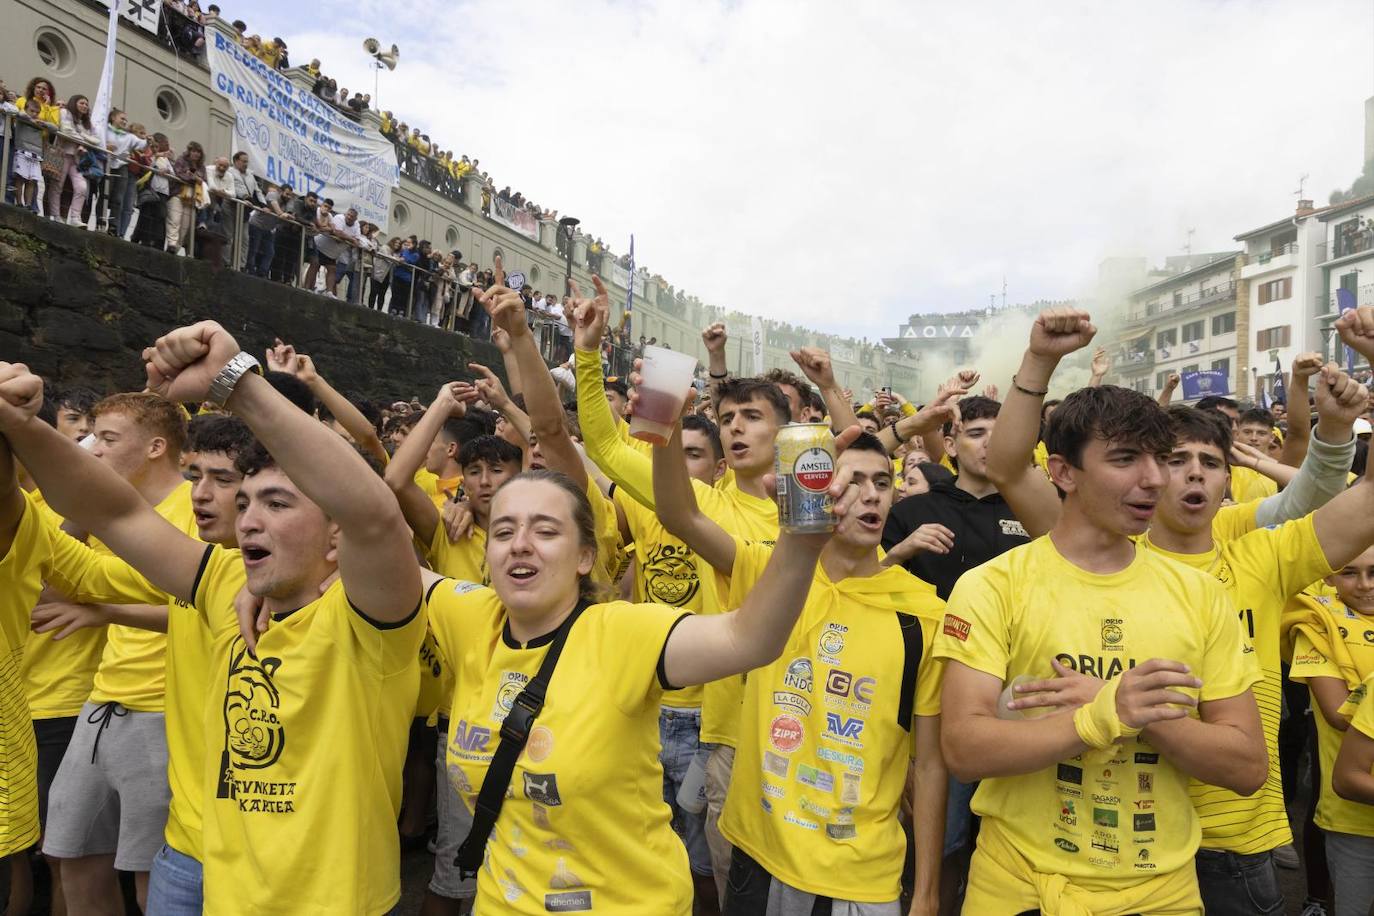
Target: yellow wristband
(1098,724)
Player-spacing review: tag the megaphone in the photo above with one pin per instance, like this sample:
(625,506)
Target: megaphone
(371,45)
(389,58)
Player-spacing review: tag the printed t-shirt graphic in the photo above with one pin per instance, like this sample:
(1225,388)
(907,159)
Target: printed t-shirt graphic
(584,826)
(822,757)
(307,740)
(1128,818)
(1356,634)
(1260,571)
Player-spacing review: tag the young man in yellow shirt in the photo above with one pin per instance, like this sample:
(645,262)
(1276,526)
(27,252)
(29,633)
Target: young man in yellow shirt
(108,803)
(828,729)
(306,737)
(1093,808)
(1333,653)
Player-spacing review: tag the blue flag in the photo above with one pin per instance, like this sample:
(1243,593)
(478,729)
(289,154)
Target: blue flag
(1280,392)
(1345,302)
(1201,383)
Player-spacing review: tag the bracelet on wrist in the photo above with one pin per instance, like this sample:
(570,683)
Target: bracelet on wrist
(1035,394)
(723,375)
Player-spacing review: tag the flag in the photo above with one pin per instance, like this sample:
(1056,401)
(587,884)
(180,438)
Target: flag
(630,296)
(756,331)
(1280,393)
(1200,384)
(100,111)
(1345,302)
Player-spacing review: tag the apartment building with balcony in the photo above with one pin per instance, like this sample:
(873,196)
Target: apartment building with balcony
(1280,271)
(1346,261)
(1190,317)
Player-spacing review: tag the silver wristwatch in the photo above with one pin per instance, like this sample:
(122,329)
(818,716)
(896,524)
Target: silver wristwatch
(222,385)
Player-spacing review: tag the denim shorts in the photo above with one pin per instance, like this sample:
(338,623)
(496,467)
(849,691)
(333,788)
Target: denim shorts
(679,734)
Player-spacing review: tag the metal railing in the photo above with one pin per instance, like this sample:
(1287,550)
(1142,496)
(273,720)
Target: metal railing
(1192,300)
(1264,257)
(1348,243)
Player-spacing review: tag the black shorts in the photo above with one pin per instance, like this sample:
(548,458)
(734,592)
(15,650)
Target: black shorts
(424,739)
(324,260)
(52,736)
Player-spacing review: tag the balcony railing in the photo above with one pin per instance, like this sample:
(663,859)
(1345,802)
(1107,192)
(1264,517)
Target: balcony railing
(1196,299)
(1347,244)
(1264,257)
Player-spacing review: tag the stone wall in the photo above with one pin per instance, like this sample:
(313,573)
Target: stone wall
(79,307)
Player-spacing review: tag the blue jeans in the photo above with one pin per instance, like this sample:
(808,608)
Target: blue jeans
(679,734)
(958,817)
(262,247)
(1233,884)
(175,884)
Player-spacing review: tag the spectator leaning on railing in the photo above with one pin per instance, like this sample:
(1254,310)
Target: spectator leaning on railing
(187,191)
(122,140)
(27,158)
(263,226)
(75,122)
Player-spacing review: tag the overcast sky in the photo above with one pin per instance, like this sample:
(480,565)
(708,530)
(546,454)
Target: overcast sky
(844,165)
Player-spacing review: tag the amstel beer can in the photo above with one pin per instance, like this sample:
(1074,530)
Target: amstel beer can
(804,466)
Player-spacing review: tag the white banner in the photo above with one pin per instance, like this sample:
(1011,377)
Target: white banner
(100,111)
(621,278)
(297,139)
(756,335)
(517,218)
(142,13)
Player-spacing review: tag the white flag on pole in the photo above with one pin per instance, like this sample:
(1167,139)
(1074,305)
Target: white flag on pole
(100,111)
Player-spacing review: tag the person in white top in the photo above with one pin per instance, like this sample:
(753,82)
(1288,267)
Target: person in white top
(330,246)
(77,136)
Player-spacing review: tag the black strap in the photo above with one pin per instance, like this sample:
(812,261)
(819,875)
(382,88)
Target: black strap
(515,731)
(911,664)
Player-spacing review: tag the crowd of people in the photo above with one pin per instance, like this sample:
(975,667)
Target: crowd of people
(1061,656)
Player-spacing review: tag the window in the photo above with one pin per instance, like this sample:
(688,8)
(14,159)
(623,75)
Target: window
(1194,330)
(400,213)
(170,106)
(498,253)
(1223,324)
(1275,290)
(1178,299)
(1192,367)
(534,274)
(1222,365)
(1273,338)
(451,237)
(1166,338)
(1142,385)
(55,51)
(1162,377)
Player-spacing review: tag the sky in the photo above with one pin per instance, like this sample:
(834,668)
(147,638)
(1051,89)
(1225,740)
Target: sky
(845,165)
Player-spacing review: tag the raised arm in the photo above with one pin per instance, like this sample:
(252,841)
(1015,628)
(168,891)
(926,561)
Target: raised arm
(1101,365)
(714,338)
(1299,431)
(675,502)
(82,488)
(928,421)
(815,364)
(284,358)
(1325,469)
(494,393)
(419,510)
(1056,333)
(12,502)
(1166,394)
(1345,525)
(376,561)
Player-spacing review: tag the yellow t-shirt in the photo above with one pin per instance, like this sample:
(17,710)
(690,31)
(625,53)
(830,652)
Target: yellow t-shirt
(465,560)
(133,667)
(429,483)
(1234,520)
(1357,631)
(826,732)
(1260,571)
(1105,825)
(58,675)
(22,570)
(305,747)
(1248,484)
(584,825)
(444,488)
(1362,716)
(668,573)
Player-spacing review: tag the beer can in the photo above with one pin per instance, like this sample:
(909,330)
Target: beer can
(804,466)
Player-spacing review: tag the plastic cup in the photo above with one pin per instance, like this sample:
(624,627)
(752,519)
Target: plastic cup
(665,376)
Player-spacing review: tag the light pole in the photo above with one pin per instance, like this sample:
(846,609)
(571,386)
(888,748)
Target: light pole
(567,225)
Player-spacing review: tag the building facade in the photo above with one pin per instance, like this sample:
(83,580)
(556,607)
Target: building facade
(64,41)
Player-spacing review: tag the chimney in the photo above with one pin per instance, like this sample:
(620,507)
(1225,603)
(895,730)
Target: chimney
(1305,208)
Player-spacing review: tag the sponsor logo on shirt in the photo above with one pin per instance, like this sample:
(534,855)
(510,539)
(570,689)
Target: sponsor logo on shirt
(799,675)
(542,788)
(1144,758)
(785,733)
(1105,841)
(469,741)
(1112,634)
(841,831)
(844,729)
(1067,773)
(766,805)
(1094,666)
(1100,862)
(773,791)
(843,684)
(1142,860)
(774,764)
(811,807)
(670,576)
(849,789)
(1104,817)
(831,642)
(1144,804)
(1145,782)
(539,745)
(1143,823)
(801,822)
(793,700)
(568,902)
(850,761)
(1068,815)
(1066,845)
(815,778)
(512,682)
(1112,800)
(957,627)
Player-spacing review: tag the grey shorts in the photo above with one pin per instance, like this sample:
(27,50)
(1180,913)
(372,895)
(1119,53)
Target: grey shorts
(111,792)
(455,820)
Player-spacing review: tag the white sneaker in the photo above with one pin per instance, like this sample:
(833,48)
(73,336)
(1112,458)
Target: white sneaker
(1286,856)
(1313,908)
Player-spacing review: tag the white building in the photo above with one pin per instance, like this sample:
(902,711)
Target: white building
(1280,281)
(1186,321)
(1346,257)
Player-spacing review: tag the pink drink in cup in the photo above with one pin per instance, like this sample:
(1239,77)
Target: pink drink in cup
(665,377)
